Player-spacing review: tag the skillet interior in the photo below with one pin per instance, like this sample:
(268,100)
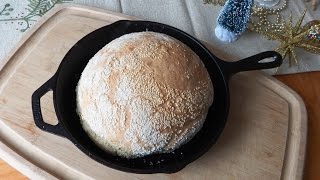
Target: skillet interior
(69,73)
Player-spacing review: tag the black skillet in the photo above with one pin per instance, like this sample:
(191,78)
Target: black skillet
(64,82)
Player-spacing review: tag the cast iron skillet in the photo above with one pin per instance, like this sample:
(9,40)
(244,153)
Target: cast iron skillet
(64,82)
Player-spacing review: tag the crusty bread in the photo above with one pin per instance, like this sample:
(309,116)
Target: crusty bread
(143,93)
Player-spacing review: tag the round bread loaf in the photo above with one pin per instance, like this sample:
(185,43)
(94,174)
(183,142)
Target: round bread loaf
(143,93)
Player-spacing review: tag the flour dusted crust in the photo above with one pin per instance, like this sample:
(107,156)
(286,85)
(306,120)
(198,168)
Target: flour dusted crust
(143,93)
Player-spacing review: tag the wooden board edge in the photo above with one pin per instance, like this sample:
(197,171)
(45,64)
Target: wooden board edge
(15,142)
(21,164)
(58,8)
(27,35)
(295,153)
(11,157)
(6,153)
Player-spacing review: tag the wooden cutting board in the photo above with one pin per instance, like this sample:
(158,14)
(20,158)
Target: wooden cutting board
(265,136)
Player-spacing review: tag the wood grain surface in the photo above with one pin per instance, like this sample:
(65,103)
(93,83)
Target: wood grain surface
(307,85)
(263,139)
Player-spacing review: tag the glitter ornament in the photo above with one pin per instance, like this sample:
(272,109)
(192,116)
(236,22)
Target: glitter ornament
(266,19)
(233,19)
(262,18)
(295,37)
(313,34)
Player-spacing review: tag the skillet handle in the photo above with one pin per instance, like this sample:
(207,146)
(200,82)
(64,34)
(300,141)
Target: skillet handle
(254,62)
(36,109)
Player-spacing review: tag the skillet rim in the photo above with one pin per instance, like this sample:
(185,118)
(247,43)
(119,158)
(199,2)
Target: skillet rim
(56,79)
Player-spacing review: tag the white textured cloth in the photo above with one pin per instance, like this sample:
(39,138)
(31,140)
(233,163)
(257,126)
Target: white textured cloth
(225,35)
(192,16)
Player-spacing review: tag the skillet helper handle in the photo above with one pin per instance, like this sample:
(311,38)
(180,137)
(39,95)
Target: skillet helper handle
(254,62)
(36,109)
